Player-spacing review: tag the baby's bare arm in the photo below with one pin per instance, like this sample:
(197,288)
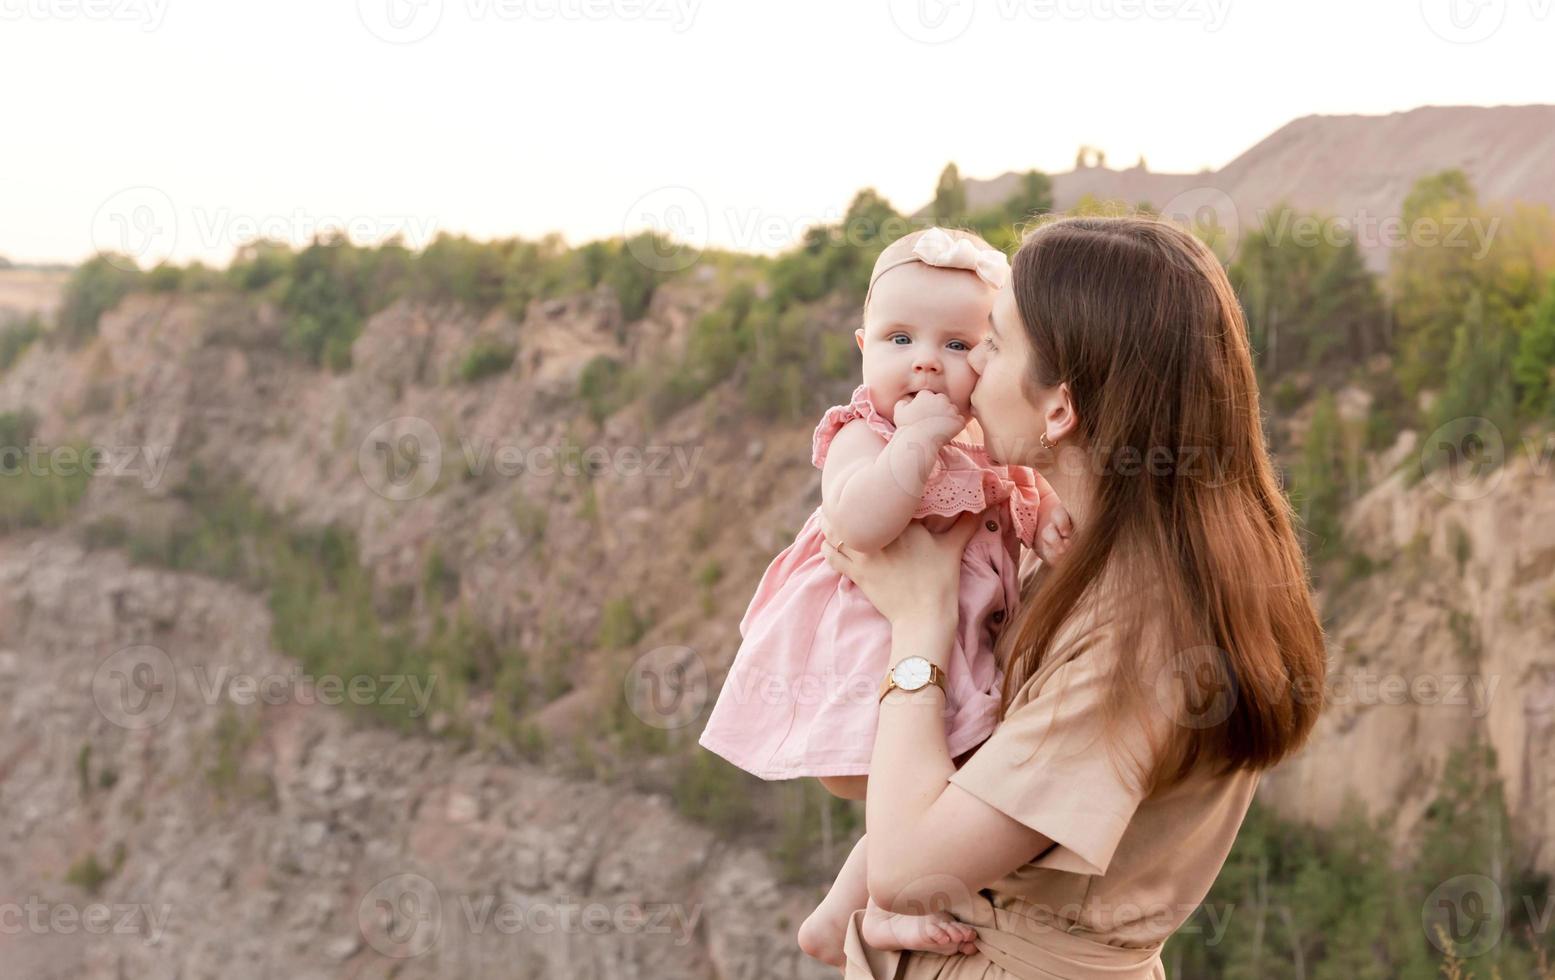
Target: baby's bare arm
(870,488)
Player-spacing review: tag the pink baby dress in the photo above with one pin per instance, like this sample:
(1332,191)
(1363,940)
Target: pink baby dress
(801,698)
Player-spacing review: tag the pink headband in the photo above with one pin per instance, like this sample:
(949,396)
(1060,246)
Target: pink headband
(938,248)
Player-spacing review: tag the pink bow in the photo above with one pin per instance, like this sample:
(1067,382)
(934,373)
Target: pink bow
(936,247)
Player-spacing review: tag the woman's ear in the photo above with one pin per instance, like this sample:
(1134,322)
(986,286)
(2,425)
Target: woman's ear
(1060,414)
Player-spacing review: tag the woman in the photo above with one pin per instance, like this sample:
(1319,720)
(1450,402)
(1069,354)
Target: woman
(1172,654)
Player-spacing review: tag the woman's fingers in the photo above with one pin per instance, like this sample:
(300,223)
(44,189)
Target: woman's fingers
(838,561)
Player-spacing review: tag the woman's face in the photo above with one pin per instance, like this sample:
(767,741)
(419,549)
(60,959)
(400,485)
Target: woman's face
(919,331)
(1011,424)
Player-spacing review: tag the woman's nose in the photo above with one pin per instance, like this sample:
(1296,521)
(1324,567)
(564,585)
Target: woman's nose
(975,359)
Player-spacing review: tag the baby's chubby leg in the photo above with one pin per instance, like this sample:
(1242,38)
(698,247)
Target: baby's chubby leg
(935,932)
(821,934)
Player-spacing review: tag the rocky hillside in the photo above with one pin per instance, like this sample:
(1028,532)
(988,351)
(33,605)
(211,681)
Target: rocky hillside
(261,836)
(1442,634)
(1358,168)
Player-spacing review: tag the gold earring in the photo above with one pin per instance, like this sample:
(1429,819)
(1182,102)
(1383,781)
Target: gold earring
(1043,440)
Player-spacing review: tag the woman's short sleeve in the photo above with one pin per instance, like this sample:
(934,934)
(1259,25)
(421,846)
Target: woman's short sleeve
(1049,765)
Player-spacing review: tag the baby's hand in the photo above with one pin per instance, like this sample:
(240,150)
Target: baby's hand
(1054,529)
(932,408)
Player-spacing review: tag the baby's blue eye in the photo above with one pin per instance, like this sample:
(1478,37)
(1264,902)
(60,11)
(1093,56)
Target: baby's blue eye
(962,343)
(900,336)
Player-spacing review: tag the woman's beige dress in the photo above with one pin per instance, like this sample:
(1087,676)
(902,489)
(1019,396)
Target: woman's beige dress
(1124,871)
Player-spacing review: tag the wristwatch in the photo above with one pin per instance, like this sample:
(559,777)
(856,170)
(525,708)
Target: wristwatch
(911,674)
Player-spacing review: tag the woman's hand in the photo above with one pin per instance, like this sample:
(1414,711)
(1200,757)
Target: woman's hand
(916,578)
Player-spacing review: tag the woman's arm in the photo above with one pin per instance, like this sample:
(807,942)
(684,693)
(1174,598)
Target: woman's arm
(925,835)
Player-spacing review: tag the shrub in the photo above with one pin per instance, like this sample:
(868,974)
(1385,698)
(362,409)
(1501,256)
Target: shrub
(619,625)
(15,338)
(604,386)
(709,790)
(94,288)
(37,493)
(486,357)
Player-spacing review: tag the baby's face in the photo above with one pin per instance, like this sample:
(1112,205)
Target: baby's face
(921,324)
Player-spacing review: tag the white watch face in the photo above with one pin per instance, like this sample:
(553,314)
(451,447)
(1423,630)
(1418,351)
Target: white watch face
(911,674)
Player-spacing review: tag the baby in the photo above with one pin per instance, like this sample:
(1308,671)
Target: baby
(802,696)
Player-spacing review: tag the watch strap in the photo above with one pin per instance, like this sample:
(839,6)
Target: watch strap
(936,676)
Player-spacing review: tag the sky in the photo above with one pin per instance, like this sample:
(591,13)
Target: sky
(180,129)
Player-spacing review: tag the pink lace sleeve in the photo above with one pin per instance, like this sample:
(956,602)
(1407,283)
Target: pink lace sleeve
(858,407)
(1024,503)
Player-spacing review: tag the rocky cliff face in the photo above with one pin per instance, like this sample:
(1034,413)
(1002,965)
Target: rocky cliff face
(259,833)
(169,764)
(1449,637)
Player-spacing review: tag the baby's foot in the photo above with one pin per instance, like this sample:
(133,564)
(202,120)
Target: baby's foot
(936,932)
(821,933)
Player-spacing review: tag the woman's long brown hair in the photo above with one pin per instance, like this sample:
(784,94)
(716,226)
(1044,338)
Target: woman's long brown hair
(1188,527)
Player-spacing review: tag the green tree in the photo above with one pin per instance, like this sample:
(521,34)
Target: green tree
(1310,302)
(1533,367)
(95,287)
(1319,481)
(1000,224)
(258,264)
(1454,249)
(1474,382)
(325,302)
(949,197)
